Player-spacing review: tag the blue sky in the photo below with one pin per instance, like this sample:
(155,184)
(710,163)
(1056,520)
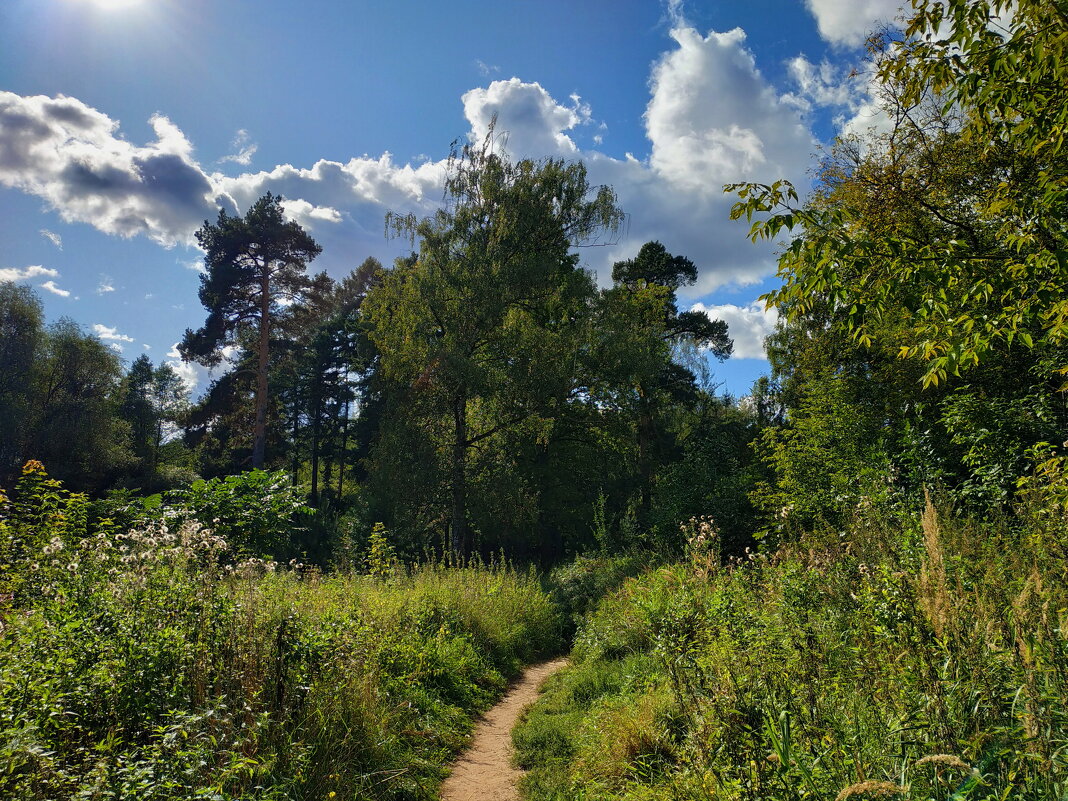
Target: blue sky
(125,123)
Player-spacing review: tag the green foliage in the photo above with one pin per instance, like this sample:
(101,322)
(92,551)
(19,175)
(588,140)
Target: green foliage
(254,265)
(149,664)
(381,557)
(258,513)
(917,654)
(580,584)
(21,335)
(928,256)
(481,330)
(826,460)
(958,215)
(59,397)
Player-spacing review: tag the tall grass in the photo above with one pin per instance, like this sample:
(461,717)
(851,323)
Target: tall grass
(150,665)
(918,658)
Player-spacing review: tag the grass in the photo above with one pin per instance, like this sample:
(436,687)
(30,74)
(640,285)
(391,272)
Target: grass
(152,665)
(915,658)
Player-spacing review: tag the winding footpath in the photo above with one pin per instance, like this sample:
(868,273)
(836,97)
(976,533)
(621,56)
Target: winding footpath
(484,772)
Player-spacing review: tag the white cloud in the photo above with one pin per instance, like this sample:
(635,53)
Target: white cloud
(106,285)
(532,123)
(187,372)
(244,147)
(104,332)
(52,237)
(486,69)
(55,290)
(852,95)
(823,85)
(746,325)
(33,271)
(146,346)
(849,22)
(306,215)
(115,346)
(711,119)
(71,156)
(196,265)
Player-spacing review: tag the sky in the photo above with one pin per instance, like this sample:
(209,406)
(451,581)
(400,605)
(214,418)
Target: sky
(125,124)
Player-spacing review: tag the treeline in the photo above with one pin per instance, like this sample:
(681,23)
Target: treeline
(481,394)
(66,400)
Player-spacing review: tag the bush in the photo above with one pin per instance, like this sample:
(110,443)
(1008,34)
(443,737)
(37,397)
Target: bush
(919,657)
(157,664)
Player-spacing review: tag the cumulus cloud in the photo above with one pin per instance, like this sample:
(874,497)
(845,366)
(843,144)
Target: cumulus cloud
(531,121)
(823,85)
(306,215)
(70,155)
(712,118)
(187,371)
(245,148)
(25,273)
(196,265)
(55,290)
(746,325)
(112,334)
(848,22)
(106,285)
(52,237)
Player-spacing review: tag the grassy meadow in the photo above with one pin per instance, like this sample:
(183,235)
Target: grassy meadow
(156,663)
(912,656)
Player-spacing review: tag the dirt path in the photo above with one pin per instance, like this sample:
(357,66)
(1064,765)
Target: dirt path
(484,771)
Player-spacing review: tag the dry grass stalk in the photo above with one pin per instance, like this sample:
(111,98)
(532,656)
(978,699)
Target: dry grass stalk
(871,789)
(933,589)
(944,761)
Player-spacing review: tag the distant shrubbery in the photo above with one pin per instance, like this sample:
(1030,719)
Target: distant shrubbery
(157,663)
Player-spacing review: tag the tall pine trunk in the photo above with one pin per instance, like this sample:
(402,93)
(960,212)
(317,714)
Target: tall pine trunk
(259,442)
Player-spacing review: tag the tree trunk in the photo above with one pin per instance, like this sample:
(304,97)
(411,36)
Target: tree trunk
(458,532)
(316,430)
(646,434)
(158,441)
(259,440)
(294,466)
(343,454)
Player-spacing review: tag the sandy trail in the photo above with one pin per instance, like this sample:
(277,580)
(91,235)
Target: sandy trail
(484,771)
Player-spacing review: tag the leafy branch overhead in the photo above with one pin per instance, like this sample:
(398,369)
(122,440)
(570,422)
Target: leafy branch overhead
(953,220)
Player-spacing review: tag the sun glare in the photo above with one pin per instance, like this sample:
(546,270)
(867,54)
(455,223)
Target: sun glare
(112,5)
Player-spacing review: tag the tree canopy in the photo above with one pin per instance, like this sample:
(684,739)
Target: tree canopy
(254,264)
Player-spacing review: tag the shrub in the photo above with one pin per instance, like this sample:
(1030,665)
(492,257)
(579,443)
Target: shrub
(155,663)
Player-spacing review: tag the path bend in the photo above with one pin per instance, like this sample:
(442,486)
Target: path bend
(484,771)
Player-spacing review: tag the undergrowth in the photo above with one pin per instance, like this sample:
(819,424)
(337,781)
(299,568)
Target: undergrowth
(152,664)
(909,657)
